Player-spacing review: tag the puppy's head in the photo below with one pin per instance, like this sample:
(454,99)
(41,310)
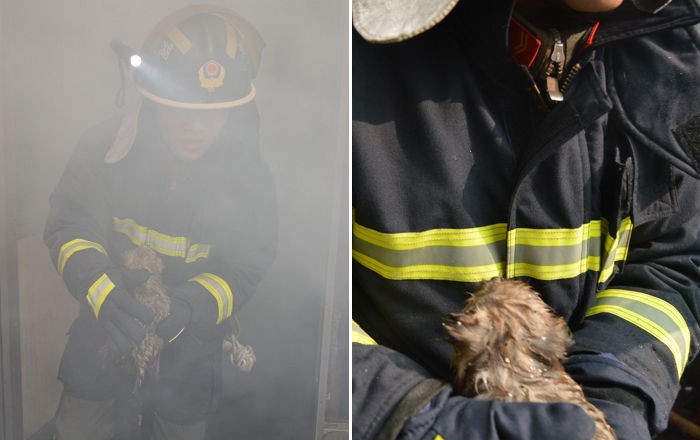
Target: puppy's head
(143,257)
(504,325)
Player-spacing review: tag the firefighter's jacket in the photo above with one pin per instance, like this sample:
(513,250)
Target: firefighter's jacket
(458,177)
(212,220)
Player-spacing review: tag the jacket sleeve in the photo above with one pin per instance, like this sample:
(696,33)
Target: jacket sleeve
(76,228)
(394,397)
(243,234)
(643,328)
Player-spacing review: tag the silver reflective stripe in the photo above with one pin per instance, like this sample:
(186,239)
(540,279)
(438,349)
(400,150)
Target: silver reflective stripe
(651,314)
(97,293)
(73,246)
(445,254)
(161,243)
(197,251)
(616,249)
(221,292)
(475,254)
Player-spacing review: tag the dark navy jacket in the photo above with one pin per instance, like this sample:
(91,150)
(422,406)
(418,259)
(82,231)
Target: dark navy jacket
(459,177)
(212,220)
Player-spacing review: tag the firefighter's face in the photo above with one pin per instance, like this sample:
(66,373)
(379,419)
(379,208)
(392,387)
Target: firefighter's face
(593,5)
(190,133)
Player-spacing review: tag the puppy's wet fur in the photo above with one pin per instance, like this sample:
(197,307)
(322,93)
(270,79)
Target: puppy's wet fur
(508,345)
(144,357)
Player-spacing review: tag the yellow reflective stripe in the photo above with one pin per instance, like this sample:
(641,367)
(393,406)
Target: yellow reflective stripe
(616,248)
(180,40)
(653,315)
(197,251)
(431,271)
(554,272)
(474,254)
(555,237)
(137,234)
(434,237)
(359,335)
(73,246)
(231,41)
(97,293)
(221,292)
(160,242)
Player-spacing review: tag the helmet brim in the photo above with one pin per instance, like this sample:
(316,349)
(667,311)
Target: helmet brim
(198,105)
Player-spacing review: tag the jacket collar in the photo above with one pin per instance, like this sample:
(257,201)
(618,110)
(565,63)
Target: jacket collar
(381,21)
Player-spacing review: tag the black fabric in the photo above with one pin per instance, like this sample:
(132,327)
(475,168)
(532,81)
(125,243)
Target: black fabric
(380,379)
(124,329)
(189,384)
(418,397)
(201,303)
(177,322)
(688,135)
(225,200)
(446,136)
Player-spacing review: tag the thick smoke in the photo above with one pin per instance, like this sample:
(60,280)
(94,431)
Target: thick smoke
(59,77)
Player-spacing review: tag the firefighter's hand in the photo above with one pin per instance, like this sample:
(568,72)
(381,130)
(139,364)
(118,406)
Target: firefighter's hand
(125,303)
(455,416)
(125,330)
(172,327)
(605,378)
(393,396)
(134,278)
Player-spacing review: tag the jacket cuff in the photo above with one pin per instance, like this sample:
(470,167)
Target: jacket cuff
(610,383)
(202,303)
(382,384)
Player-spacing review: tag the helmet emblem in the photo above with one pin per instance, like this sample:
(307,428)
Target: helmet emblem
(211,75)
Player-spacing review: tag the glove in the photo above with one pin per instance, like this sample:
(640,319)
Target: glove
(120,313)
(201,305)
(124,330)
(609,379)
(170,328)
(394,397)
(454,416)
(134,278)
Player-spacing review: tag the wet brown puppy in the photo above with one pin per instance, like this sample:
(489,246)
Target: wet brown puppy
(508,346)
(144,356)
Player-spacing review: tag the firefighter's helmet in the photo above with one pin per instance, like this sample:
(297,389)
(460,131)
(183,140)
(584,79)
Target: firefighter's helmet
(200,57)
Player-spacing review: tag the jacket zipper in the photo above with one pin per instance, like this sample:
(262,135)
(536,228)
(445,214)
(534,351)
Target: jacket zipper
(555,68)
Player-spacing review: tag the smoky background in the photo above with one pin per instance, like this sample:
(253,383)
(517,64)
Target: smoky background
(60,77)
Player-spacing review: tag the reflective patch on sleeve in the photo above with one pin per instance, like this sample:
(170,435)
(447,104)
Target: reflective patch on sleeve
(73,246)
(197,251)
(221,292)
(657,317)
(359,335)
(97,293)
(616,249)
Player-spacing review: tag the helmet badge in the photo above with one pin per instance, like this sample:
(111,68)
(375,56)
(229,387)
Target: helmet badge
(211,75)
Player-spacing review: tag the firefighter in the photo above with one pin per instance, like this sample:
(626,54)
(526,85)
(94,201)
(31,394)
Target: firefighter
(181,174)
(547,140)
